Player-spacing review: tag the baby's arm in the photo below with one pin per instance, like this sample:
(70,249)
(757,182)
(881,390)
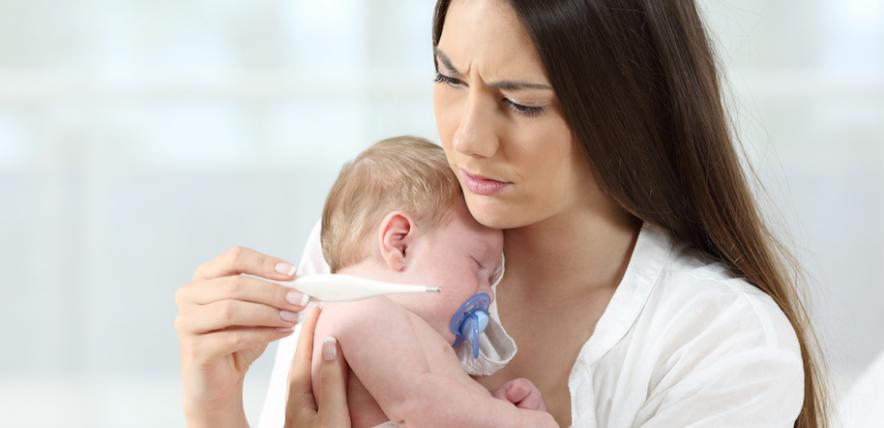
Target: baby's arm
(383,350)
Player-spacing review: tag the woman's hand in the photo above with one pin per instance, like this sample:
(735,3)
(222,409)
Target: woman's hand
(225,321)
(301,410)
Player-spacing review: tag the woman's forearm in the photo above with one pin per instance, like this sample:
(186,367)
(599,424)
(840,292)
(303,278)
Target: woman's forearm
(235,419)
(222,415)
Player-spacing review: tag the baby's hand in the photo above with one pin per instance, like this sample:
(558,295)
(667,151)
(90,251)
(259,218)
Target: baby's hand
(522,393)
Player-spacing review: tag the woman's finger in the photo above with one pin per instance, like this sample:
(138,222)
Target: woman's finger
(238,260)
(233,313)
(211,346)
(333,410)
(240,287)
(301,406)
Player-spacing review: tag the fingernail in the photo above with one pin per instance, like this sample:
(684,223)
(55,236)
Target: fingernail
(285,268)
(297,298)
(285,329)
(329,351)
(288,316)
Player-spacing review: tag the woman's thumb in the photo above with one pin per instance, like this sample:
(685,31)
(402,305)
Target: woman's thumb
(333,410)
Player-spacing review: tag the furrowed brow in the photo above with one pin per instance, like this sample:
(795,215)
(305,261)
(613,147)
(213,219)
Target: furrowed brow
(447,62)
(504,85)
(513,85)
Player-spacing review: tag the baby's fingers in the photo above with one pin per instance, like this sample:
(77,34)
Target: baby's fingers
(533,401)
(522,393)
(525,395)
(517,392)
(500,392)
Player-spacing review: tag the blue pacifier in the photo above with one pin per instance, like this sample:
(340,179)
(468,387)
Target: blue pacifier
(470,321)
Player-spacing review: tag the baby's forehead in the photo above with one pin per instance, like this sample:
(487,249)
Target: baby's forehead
(490,240)
(479,238)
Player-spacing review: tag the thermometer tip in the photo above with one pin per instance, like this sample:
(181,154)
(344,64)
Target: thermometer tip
(434,290)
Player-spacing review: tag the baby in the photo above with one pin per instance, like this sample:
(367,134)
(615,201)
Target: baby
(397,214)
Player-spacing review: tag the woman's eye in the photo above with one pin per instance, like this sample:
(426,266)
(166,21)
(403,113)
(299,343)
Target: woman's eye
(450,81)
(523,109)
(529,111)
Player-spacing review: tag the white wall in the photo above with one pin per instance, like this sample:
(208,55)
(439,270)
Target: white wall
(138,138)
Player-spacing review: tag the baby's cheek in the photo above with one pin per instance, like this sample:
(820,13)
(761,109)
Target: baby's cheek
(444,309)
(442,314)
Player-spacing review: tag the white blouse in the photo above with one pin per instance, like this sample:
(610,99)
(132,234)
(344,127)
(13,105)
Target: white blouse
(681,343)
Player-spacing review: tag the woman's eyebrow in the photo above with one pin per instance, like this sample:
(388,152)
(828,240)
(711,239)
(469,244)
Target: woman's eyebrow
(505,85)
(515,85)
(447,62)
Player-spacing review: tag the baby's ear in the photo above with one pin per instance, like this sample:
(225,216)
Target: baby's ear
(396,235)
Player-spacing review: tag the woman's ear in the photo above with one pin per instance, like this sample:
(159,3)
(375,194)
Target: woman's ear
(396,235)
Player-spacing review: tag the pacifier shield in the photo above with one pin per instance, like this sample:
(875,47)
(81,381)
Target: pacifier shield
(470,320)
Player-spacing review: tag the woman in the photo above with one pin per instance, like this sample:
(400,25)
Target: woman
(642,286)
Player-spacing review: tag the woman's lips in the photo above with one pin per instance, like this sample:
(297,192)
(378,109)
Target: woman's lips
(482,185)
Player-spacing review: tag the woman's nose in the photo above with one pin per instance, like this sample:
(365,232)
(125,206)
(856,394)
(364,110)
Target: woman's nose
(475,135)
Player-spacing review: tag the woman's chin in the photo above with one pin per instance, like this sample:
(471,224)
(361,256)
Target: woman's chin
(492,213)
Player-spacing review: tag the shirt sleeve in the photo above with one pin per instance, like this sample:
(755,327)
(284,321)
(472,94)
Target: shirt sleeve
(737,366)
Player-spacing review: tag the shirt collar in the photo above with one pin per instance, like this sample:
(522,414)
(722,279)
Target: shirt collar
(650,254)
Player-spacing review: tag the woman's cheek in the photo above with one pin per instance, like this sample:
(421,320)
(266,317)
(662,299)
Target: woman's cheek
(446,117)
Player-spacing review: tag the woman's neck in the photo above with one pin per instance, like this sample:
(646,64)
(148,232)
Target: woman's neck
(579,250)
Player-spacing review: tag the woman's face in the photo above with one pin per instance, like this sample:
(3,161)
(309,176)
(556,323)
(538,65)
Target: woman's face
(500,122)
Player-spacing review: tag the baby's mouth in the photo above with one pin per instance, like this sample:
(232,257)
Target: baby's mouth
(470,321)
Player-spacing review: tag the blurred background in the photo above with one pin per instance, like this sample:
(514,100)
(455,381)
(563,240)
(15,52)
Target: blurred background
(140,138)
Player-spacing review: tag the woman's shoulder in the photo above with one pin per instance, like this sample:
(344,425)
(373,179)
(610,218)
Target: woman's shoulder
(707,336)
(698,294)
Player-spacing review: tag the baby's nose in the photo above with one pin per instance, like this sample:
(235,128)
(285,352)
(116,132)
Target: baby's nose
(488,290)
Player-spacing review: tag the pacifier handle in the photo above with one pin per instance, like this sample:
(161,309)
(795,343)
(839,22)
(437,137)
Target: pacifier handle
(474,326)
(470,321)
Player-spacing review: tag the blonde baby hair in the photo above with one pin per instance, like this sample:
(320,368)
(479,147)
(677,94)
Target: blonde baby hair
(405,173)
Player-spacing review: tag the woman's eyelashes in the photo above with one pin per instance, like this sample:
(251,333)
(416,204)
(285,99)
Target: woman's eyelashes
(529,111)
(450,81)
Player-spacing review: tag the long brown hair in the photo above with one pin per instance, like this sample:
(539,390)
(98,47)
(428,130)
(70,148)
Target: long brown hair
(639,87)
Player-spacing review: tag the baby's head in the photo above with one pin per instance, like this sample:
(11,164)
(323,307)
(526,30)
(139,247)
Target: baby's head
(396,213)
